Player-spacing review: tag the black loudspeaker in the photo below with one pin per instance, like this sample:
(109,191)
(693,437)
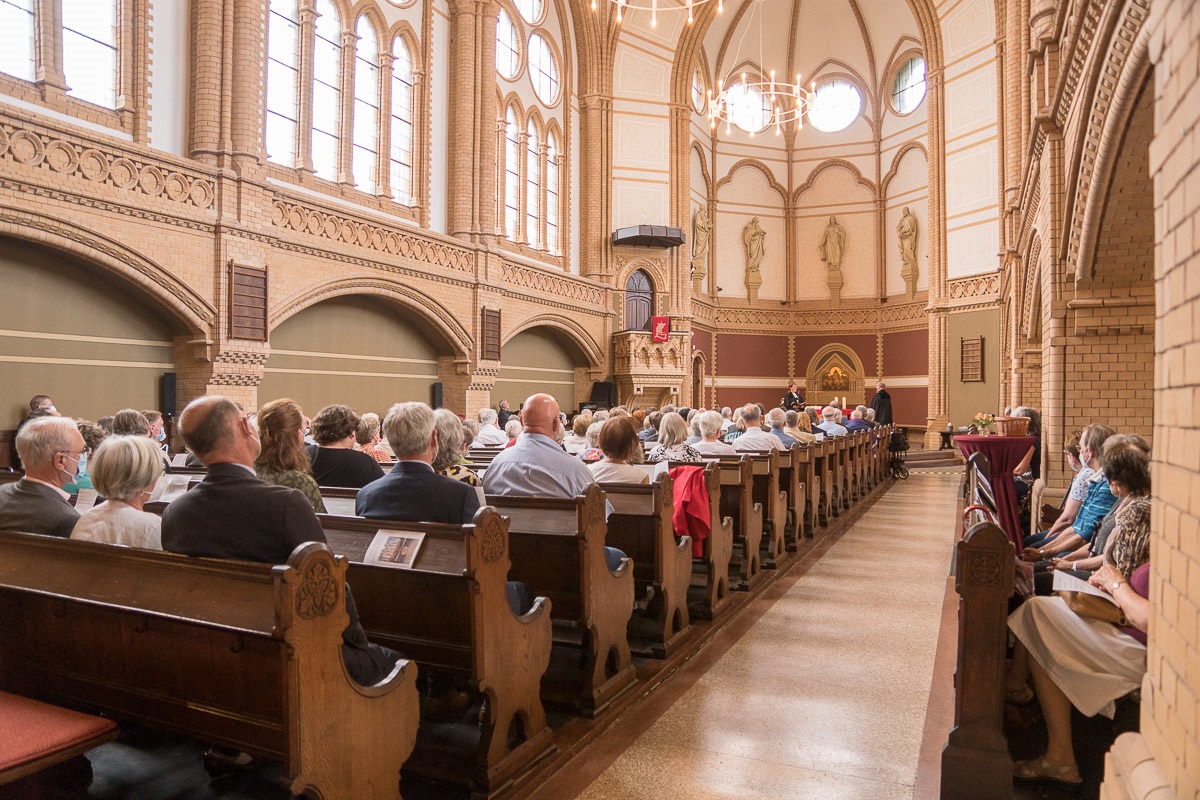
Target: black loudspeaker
(167,397)
(604,394)
(436,395)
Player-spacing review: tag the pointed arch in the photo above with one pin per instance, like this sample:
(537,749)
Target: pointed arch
(753,164)
(899,157)
(833,163)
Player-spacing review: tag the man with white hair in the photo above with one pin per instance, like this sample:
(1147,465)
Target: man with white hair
(755,438)
(726,419)
(710,428)
(51,449)
(777,418)
(857,423)
(868,416)
(490,434)
(829,424)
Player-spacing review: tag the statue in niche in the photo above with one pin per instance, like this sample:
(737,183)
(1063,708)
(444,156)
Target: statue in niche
(833,243)
(907,230)
(701,228)
(753,237)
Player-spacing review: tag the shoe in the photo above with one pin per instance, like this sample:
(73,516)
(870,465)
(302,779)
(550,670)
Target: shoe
(1039,770)
(1019,697)
(221,761)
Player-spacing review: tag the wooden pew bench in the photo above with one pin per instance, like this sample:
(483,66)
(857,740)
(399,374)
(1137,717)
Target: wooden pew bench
(232,653)
(642,527)
(737,503)
(768,493)
(38,735)
(449,613)
(557,548)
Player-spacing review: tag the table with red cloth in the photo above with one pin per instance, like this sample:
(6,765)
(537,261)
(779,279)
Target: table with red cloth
(1004,453)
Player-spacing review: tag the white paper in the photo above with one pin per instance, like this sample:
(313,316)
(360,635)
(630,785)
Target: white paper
(85,499)
(396,549)
(1064,582)
(179,460)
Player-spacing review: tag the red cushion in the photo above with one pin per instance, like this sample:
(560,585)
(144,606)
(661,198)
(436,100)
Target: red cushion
(34,730)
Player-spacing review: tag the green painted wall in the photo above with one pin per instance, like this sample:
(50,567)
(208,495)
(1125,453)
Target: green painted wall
(965,400)
(537,360)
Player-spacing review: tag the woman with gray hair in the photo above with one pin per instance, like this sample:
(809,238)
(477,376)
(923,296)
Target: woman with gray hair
(124,470)
(672,435)
(448,460)
(710,423)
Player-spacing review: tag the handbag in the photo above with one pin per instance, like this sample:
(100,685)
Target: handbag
(1092,607)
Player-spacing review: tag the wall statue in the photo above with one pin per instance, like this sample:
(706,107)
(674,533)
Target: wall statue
(907,231)
(701,228)
(833,243)
(752,237)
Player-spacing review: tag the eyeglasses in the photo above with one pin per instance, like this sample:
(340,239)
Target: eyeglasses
(75,454)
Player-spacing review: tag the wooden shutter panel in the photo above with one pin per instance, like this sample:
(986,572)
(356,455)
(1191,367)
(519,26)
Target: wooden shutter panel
(247,303)
(489,345)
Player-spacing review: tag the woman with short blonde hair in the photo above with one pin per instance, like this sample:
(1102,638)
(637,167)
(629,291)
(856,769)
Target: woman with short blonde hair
(672,438)
(124,470)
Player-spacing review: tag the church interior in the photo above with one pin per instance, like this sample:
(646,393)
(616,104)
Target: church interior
(969,206)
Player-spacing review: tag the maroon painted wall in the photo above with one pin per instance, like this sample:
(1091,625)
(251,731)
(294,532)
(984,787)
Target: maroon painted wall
(906,353)
(807,346)
(752,355)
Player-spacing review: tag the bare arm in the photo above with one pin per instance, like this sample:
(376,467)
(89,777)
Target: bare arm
(1136,607)
(1023,467)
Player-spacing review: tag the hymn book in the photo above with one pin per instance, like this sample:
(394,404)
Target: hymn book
(396,549)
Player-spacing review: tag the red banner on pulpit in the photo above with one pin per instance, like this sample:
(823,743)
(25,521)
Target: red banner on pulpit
(661,327)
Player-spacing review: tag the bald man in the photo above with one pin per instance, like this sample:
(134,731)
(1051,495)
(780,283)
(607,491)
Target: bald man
(233,514)
(537,465)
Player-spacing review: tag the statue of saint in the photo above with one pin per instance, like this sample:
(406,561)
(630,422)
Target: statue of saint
(752,237)
(907,230)
(701,228)
(833,241)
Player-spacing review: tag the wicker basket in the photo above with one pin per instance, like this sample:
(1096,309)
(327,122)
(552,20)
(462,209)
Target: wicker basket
(1012,426)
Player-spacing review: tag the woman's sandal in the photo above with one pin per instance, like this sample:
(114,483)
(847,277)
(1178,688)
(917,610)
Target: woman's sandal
(1040,770)
(1019,697)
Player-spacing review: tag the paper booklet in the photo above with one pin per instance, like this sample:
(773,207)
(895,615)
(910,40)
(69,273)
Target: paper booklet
(86,499)
(169,487)
(396,549)
(179,460)
(1064,582)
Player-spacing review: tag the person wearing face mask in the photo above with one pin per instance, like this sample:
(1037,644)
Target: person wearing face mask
(93,435)
(158,430)
(124,469)
(51,449)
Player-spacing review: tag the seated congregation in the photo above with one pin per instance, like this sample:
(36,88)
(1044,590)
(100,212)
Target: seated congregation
(554,559)
(1080,610)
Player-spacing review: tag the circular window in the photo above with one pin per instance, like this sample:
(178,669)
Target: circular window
(698,92)
(402,3)
(531,10)
(835,105)
(542,69)
(508,56)
(908,90)
(747,107)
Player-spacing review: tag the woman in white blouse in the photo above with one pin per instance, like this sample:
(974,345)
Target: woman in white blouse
(619,441)
(124,470)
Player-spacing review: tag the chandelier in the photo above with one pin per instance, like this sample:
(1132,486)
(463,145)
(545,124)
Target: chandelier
(654,6)
(753,102)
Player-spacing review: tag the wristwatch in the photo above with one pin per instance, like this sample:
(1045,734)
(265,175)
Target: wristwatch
(1115,585)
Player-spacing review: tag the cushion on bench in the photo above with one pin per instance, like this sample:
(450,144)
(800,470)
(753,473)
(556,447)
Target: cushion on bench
(36,731)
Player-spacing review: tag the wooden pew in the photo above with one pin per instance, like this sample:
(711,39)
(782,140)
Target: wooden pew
(641,526)
(557,547)
(450,614)
(232,653)
(769,494)
(805,459)
(339,501)
(824,454)
(737,503)
(841,475)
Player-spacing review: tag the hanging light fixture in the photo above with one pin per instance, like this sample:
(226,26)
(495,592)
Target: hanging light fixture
(652,7)
(782,102)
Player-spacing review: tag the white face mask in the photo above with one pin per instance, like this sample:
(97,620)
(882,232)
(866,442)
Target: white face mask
(80,464)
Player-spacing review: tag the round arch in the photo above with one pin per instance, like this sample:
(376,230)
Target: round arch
(834,370)
(456,338)
(196,313)
(580,339)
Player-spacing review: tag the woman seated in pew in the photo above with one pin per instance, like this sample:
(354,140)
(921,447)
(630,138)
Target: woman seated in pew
(449,459)
(1076,660)
(672,441)
(618,441)
(368,439)
(710,423)
(1127,546)
(593,451)
(576,441)
(335,462)
(695,435)
(124,470)
(1097,502)
(283,459)
(798,426)
(1077,492)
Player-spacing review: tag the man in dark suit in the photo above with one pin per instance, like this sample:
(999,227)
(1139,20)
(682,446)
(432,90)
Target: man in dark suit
(413,492)
(882,403)
(793,400)
(233,514)
(51,449)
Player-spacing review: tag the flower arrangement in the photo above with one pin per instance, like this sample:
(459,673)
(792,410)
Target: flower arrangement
(984,422)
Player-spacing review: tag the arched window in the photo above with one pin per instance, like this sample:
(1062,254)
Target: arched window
(512,174)
(552,244)
(908,89)
(533,187)
(402,122)
(543,72)
(639,301)
(366,106)
(283,81)
(16,54)
(327,91)
(508,57)
(89,50)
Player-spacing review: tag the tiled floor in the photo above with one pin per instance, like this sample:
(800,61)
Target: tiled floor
(826,695)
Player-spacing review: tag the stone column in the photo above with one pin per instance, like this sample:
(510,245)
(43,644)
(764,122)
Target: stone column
(205,80)
(308,28)
(939,284)
(345,171)
(472,157)
(247,94)
(595,203)
(383,148)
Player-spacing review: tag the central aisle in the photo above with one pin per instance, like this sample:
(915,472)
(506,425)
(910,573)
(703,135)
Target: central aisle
(825,696)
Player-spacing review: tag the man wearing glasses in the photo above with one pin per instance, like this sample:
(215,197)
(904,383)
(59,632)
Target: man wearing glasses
(50,448)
